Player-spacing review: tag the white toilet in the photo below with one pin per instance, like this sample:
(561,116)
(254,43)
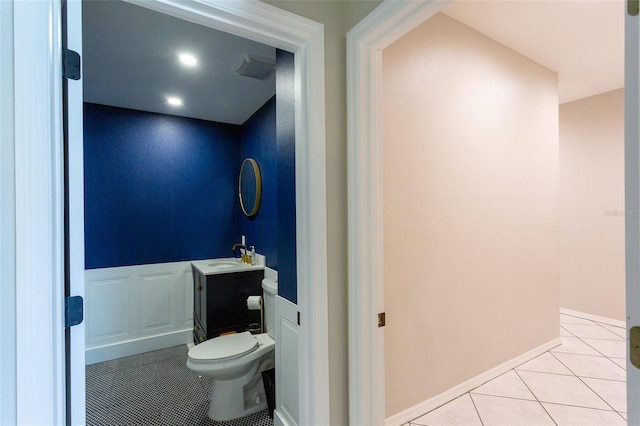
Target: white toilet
(235,363)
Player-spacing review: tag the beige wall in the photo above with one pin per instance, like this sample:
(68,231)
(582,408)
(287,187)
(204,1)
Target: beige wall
(470,208)
(592,205)
(338,17)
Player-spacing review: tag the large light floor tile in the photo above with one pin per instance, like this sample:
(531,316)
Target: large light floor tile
(459,412)
(545,363)
(612,391)
(498,411)
(591,331)
(565,415)
(508,385)
(597,367)
(573,345)
(555,388)
(609,348)
(568,319)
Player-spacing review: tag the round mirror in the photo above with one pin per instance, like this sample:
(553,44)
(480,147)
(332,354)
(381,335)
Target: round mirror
(250,187)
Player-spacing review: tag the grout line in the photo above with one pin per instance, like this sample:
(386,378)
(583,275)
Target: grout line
(572,335)
(580,406)
(595,324)
(506,397)
(536,397)
(476,408)
(568,375)
(609,325)
(592,390)
(525,383)
(587,343)
(547,372)
(600,355)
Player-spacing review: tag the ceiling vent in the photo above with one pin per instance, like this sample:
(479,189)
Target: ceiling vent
(256,67)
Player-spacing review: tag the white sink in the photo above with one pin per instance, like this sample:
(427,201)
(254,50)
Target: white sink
(222,266)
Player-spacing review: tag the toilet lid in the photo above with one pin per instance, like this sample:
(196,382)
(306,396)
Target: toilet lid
(224,347)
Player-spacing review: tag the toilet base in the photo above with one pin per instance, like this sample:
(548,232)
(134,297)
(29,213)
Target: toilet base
(231,400)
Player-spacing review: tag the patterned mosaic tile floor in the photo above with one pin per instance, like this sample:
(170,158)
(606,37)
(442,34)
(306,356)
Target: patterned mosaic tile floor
(154,388)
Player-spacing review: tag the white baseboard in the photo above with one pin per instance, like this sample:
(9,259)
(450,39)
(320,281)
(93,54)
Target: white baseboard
(424,407)
(279,420)
(138,346)
(596,318)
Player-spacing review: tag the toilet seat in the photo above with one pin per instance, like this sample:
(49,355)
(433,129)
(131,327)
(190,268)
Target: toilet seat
(224,348)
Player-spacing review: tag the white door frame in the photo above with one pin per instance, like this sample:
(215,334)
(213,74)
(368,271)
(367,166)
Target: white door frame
(632,199)
(365,42)
(39,213)
(39,195)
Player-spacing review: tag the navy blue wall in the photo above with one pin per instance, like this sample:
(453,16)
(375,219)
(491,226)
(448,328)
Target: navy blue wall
(158,188)
(259,143)
(286,157)
(162,188)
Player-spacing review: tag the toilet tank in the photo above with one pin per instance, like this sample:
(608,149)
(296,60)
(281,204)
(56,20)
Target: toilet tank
(270,289)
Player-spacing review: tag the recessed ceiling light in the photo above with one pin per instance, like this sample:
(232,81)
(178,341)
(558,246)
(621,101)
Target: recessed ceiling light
(172,100)
(188,59)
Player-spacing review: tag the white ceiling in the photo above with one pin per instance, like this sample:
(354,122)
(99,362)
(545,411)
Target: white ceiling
(130,60)
(583,41)
(130,53)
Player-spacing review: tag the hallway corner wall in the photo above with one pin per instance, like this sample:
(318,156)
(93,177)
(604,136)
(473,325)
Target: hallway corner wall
(592,208)
(470,166)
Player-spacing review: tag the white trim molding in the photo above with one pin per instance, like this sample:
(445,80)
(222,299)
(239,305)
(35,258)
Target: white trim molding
(365,42)
(632,199)
(39,213)
(75,173)
(7,221)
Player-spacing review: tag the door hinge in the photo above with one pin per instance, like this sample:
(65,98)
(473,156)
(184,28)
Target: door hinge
(633,7)
(70,64)
(634,346)
(382,320)
(73,311)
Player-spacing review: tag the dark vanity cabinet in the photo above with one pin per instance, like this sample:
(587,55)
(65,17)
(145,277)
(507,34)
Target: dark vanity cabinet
(220,302)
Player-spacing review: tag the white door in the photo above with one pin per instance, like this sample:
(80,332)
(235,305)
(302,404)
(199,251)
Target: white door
(632,196)
(76,339)
(281,29)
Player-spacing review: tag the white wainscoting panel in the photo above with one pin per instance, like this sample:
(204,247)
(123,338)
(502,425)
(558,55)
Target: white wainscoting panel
(187,299)
(108,318)
(135,309)
(156,302)
(287,411)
